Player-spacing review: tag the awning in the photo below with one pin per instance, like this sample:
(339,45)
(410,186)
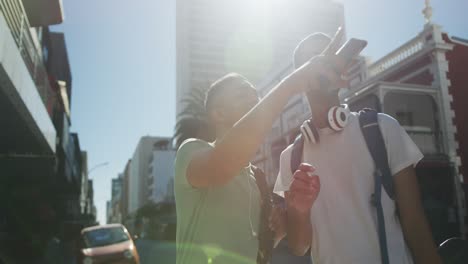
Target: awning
(43,12)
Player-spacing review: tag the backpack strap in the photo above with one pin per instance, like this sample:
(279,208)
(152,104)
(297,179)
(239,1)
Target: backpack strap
(368,120)
(370,128)
(296,154)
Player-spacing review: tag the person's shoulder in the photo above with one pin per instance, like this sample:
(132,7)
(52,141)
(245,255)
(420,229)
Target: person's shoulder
(387,121)
(381,117)
(192,143)
(190,146)
(185,153)
(386,118)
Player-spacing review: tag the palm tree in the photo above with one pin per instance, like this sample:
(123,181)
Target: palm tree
(192,121)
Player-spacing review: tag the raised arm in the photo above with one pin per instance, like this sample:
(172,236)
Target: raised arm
(218,165)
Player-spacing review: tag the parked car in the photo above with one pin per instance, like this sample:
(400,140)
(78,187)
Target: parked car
(107,244)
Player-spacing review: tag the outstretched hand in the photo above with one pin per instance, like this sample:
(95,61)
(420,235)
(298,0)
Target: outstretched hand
(326,67)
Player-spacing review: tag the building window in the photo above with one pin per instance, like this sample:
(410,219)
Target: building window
(369,101)
(405,118)
(417,114)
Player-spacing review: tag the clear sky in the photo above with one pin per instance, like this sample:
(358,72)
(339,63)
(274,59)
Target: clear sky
(122,56)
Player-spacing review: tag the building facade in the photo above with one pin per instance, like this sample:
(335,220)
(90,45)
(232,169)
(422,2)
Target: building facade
(115,204)
(117,187)
(88,209)
(161,172)
(84,181)
(91,207)
(217,37)
(138,173)
(125,191)
(40,159)
(421,85)
(108,212)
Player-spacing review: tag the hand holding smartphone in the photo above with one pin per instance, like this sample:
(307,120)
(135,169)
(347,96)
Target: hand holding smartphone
(341,56)
(351,50)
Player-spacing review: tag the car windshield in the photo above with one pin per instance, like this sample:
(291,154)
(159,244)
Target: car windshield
(104,236)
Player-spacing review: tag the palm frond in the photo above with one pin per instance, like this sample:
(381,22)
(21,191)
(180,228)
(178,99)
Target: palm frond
(192,121)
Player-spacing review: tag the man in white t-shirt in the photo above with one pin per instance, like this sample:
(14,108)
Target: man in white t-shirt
(341,226)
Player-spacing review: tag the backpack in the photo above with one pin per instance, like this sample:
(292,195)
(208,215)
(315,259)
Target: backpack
(454,251)
(368,121)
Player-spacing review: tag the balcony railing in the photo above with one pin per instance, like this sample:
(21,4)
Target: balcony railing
(405,51)
(15,16)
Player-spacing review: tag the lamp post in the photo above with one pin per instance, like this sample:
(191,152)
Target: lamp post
(87,209)
(97,166)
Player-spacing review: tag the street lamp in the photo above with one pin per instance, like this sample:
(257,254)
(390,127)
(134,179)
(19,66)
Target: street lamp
(97,166)
(92,198)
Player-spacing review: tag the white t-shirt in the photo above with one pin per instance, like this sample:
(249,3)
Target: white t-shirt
(344,221)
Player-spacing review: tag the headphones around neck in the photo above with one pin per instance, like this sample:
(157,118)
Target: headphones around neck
(337,120)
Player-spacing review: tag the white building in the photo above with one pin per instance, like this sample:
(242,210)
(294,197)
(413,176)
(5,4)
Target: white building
(138,173)
(108,212)
(84,199)
(25,89)
(253,38)
(161,173)
(115,215)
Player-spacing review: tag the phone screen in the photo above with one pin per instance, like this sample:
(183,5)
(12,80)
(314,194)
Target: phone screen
(351,49)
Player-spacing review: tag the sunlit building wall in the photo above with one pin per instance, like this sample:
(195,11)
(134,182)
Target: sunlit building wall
(138,173)
(161,173)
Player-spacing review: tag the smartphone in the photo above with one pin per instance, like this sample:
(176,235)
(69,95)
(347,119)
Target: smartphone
(351,50)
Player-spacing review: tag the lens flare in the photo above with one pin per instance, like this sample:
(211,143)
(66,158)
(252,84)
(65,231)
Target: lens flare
(215,254)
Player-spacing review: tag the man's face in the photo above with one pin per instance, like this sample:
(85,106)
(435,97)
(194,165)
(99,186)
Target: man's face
(321,98)
(235,102)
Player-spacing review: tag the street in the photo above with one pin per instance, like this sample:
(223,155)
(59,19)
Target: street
(159,252)
(152,251)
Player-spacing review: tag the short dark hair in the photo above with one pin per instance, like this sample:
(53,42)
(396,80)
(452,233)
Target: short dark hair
(222,84)
(319,40)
